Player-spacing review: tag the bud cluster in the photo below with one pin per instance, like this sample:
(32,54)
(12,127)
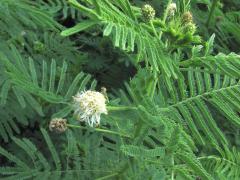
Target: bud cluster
(187,17)
(187,21)
(58,125)
(148,12)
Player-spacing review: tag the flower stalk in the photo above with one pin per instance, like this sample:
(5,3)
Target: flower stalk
(100,130)
(120,108)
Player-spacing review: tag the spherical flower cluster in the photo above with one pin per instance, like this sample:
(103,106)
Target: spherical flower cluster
(188,25)
(187,17)
(148,12)
(172,9)
(88,107)
(58,125)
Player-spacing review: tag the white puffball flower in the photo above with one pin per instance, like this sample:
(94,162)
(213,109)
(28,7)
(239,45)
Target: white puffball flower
(88,106)
(172,8)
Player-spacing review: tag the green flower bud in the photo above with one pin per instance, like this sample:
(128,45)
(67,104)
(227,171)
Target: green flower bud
(148,12)
(38,46)
(190,27)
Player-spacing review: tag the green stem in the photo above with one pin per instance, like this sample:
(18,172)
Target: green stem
(187,63)
(153,28)
(108,176)
(165,17)
(166,12)
(203,95)
(120,108)
(172,175)
(98,8)
(84,9)
(153,88)
(100,130)
(137,131)
(214,4)
(217,159)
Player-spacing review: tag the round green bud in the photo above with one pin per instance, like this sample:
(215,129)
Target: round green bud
(148,12)
(190,27)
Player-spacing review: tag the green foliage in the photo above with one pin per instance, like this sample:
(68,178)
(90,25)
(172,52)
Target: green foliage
(36,165)
(224,166)
(59,9)
(172,96)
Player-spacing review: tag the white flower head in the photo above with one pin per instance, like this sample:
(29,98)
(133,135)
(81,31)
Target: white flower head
(88,106)
(172,8)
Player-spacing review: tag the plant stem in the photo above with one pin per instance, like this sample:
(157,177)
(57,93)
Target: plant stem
(186,63)
(217,159)
(153,28)
(100,130)
(120,108)
(214,4)
(165,17)
(108,176)
(153,88)
(172,175)
(166,12)
(84,9)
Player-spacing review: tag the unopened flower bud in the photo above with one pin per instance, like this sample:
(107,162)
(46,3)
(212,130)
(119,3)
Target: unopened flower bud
(219,18)
(38,46)
(190,27)
(58,125)
(187,17)
(148,12)
(104,92)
